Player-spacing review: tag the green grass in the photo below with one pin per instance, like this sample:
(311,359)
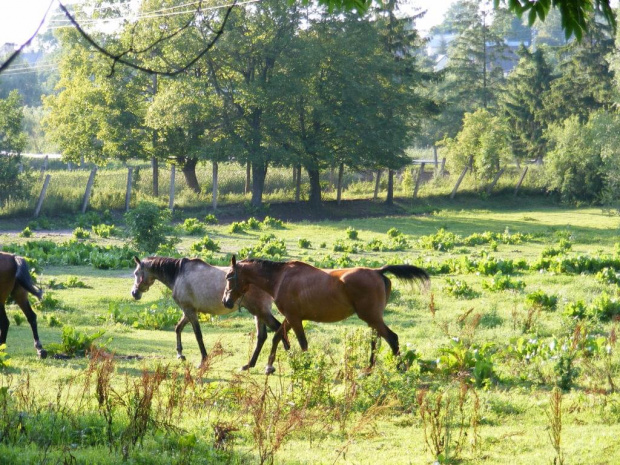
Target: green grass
(513,425)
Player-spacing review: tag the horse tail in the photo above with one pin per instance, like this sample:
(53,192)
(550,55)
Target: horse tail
(406,273)
(22,276)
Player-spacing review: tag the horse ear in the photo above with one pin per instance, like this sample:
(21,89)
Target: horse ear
(137,260)
(233,261)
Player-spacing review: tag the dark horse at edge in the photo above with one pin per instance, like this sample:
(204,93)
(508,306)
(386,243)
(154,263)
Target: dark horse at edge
(15,281)
(303,292)
(197,287)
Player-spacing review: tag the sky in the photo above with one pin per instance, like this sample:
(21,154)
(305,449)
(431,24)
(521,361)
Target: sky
(19,19)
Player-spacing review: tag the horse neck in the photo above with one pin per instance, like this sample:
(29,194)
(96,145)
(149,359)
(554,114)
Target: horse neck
(165,270)
(267,280)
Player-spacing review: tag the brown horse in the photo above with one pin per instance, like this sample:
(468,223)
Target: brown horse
(15,281)
(197,288)
(303,292)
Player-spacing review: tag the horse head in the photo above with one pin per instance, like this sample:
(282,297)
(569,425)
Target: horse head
(143,279)
(235,288)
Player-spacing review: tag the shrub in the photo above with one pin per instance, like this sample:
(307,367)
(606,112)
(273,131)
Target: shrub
(441,240)
(352,233)
(253,223)
(26,232)
(205,244)
(460,289)
(147,225)
(211,219)
(539,299)
(193,227)
(4,357)
(81,233)
(499,282)
(236,227)
(475,360)
(393,232)
(104,230)
(273,223)
(268,247)
(74,342)
(303,243)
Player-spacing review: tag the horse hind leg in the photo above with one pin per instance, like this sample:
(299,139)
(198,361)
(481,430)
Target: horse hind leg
(280,335)
(4,324)
(261,337)
(20,295)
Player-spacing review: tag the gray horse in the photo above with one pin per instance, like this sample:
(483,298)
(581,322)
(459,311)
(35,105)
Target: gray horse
(197,287)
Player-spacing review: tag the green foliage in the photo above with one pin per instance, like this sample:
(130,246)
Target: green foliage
(47,302)
(104,230)
(352,233)
(26,232)
(442,240)
(268,247)
(211,219)
(147,225)
(476,361)
(159,316)
(539,299)
(303,243)
(393,232)
(4,357)
(252,223)
(341,246)
(193,227)
(608,275)
(236,227)
(76,343)
(500,282)
(274,223)
(12,144)
(460,289)
(203,245)
(18,319)
(81,233)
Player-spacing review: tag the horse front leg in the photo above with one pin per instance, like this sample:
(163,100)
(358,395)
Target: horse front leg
(277,337)
(261,337)
(21,297)
(178,329)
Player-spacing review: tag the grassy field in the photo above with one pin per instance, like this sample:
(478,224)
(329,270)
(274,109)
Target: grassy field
(489,355)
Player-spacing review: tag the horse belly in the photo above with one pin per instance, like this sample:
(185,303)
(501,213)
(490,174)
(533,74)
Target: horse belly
(325,310)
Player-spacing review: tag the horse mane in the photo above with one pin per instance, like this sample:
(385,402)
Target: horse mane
(267,265)
(168,269)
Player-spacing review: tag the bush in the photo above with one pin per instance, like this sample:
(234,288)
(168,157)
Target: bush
(104,230)
(460,289)
(147,225)
(81,233)
(352,233)
(236,227)
(26,232)
(74,342)
(273,223)
(303,243)
(541,300)
(499,282)
(211,219)
(204,245)
(193,227)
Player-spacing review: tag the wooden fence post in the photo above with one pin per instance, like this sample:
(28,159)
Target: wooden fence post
(45,162)
(458,183)
(128,192)
(69,166)
(46,183)
(89,188)
(171,202)
(521,180)
(495,179)
(435,157)
(442,169)
(419,180)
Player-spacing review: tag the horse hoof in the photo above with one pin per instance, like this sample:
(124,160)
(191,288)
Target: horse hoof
(42,353)
(245,368)
(181,357)
(286,345)
(269,370)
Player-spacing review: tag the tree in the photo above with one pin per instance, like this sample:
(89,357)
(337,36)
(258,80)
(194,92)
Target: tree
(521,103)
(12,143)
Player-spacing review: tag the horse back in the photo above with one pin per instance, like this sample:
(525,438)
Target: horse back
(200,286)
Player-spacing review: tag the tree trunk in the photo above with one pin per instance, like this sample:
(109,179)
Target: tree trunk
(390,189)
(215,167)
(155,166)
(377,184)
(189,171)
(259,173)
(248,176)
(298,183)
(340,174)
(315,189)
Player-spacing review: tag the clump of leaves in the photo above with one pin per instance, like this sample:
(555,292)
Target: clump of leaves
(253,223)
(205,244)
(274,223)
(18,318)
(75,343)
(211,219)
(193,227)
(303,243)
(26,232)
(268,247)
(541,300)
(393,232)
(4,357)
(47,302)
(442,240)
(608,275)
(500,282)
(460,289)
(104,230)
(475,361)
(342,246)
(236,227)
(352,233)
(81,233)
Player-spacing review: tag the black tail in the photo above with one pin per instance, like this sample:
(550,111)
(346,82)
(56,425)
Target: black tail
(407,273)
(23,278)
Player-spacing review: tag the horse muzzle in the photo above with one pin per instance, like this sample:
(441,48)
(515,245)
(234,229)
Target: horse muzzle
(136,294)
(228,302)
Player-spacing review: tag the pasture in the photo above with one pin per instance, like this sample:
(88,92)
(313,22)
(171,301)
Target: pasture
(512,355)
